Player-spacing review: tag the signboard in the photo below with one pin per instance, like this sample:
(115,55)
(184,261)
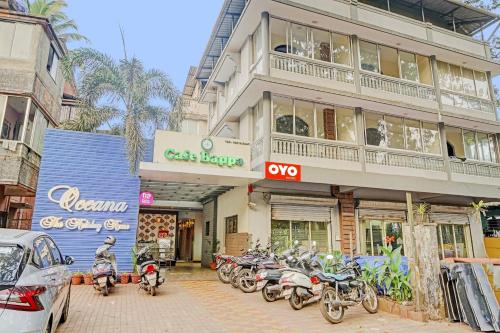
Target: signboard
(146,199)
(174,147)
(85,192)
(283,171)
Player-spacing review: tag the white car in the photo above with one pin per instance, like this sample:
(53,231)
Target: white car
(34,282)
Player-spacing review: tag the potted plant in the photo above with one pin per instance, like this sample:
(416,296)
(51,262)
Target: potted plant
(134,277)
(479,209)
(124,277)
(421,211)
(76,278)
(213,264)
(88,279)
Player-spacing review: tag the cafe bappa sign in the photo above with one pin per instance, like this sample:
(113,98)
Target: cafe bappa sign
(68,199)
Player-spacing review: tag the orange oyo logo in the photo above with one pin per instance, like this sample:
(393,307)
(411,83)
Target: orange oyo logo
(283,171)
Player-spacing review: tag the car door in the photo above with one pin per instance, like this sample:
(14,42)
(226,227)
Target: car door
(60,276)
(46,274)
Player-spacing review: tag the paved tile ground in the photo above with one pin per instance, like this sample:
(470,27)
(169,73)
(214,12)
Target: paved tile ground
(198,303)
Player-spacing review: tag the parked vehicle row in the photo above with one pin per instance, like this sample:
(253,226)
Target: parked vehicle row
(298,276)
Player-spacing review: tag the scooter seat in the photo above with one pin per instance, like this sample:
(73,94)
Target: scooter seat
(337,277)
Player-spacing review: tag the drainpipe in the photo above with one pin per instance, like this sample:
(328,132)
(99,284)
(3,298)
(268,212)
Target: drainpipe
(264,28)
(267,125)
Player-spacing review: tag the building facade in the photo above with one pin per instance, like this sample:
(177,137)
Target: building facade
(31,88)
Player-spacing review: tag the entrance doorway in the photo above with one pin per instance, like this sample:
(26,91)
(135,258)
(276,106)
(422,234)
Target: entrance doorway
(185,239)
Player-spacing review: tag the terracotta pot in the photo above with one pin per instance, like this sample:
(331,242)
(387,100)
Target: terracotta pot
(76,279)
(88,280)
(135,278)
(124,278)
(213,265)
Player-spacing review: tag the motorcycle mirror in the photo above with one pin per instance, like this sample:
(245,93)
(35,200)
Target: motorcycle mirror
(290,258)
(329,257)
(69,260)
(295,242)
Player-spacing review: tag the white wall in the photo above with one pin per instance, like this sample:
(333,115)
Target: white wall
(259,219)
(231,203)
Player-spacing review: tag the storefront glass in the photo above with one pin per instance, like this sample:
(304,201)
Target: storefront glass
(375,233)
(286,232)
(452,241)
(283,114)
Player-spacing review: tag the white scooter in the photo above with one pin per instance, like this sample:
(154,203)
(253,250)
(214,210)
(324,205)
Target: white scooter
(149,270)
(104,268)
(299,285)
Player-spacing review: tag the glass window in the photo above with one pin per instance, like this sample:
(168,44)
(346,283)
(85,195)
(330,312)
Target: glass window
(283,114)
(304,118)
(493,148)
(389,64)
(341,49)
(377,237)
(368,56)
(43,253)
(258,122)
(444,75)
(278,36)
(300,232)
(375,130)
(41,124)
(394,235)
(452,241)
(346,125)
(321,45)
(431,139)
(56,254)
(408,66)
(382,4)
(424,70)
(481,85)
(395,133)
(325,119)
(483,147)
(257,45)
(468,80)
(455,142)
(11,258)
(413,135)
(446,242)
(232,224)
(470,145)
(280,233)
(52,63)
(456,78)
(460,243)
(319,234)
(15,112)
(300,40)
(30,124)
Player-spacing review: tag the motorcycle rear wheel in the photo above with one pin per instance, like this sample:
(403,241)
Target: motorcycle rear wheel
(269,296)
(223,274)
(370,303)
(296,302)
(152,290)
(326,307)
(246,280)
(105,290)
(233,279)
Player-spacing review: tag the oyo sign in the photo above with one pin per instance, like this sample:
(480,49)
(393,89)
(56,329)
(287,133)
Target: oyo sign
(283,171)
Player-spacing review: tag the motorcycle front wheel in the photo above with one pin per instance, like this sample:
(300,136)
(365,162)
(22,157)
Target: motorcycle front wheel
(247,282)
(152,290)
(327,308)
(370,303)
(224,272)
(269,296)
(105,290)
(296,302)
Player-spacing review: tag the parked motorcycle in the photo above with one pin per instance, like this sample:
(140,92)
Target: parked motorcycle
(249,257)
(344,289)
(297,284)
(149,270)
(104,269)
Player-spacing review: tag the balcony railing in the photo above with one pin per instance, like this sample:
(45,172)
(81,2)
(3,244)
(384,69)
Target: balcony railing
(473,168)
(404,160)
(288,63)
(398,87)
(314,148)
(467,102)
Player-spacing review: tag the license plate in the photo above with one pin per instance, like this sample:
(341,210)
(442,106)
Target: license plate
(317,288)
(102,280)
(287,293)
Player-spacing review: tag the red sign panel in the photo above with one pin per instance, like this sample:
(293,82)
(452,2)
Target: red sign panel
(283,171)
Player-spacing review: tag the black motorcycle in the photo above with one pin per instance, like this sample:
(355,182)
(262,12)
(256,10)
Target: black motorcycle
(345,288)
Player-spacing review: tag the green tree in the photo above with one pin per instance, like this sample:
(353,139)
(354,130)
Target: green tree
(119,94)
(65,28)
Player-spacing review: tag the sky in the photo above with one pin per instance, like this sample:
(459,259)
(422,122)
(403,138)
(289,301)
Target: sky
(170,35)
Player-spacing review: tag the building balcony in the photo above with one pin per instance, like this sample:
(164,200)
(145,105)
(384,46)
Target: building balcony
(19,167)
(457,103)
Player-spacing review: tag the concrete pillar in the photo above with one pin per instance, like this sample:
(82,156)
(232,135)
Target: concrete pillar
(357,74)
(360,136)
(437,87)
(491,91)
(444,149)
(477,236)
(264,28)
(267,125)
(354,9)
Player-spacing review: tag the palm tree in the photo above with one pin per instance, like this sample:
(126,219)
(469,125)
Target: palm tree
(119,94)
(65,28)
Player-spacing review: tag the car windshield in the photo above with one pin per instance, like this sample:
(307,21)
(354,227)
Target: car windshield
(10,260)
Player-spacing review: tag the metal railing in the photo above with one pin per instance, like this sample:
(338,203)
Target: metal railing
(404,160)
(467,102)
(292,64)
(473,168)
(398,87)
(314,148)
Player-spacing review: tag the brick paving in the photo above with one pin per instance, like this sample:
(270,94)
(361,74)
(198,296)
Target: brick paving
(198,303)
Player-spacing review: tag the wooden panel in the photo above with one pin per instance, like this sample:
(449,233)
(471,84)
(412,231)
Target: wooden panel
(237,242)
(492,246)
(347,222)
